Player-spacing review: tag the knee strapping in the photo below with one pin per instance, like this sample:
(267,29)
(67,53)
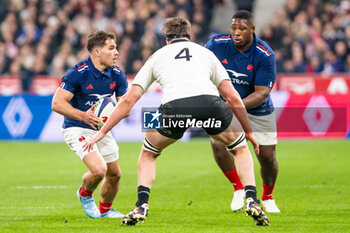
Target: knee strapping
(240,141)
(149,147)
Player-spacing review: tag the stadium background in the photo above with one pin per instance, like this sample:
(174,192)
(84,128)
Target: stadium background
(40,40)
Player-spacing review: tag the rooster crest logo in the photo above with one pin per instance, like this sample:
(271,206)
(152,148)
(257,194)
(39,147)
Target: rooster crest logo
(250,67)
(112,85)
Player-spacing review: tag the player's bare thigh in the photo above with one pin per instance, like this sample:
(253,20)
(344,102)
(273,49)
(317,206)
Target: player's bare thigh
(230,134)
(157,140)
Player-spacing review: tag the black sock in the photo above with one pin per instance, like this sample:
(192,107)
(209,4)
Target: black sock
(250,191)
(143,195)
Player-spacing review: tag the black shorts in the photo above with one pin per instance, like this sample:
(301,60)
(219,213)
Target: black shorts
(206,111)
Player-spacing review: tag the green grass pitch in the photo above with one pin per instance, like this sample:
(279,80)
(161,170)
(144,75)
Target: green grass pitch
(38,182)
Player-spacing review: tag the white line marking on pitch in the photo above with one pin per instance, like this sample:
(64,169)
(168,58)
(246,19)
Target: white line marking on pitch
(42,187)
(29,207)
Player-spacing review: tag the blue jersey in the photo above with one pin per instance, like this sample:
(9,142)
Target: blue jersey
(88,85)
(253,67)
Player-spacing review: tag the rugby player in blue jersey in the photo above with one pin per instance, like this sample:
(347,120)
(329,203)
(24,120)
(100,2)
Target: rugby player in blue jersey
(82,86)
(251,65)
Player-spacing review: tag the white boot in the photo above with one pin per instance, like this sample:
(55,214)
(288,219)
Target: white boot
(270,206)
(238,200)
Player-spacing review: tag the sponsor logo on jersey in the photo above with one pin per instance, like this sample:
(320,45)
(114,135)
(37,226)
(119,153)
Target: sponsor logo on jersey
(224,61)
(100,96)
(90,87)
(236,74)
(112,85)
(90,103)
(238,81)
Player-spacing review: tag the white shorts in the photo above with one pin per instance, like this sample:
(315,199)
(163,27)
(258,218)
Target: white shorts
(264,128)
(76,137)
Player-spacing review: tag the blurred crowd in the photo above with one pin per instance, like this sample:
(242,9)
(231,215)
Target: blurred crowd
(47,37)
(311,36)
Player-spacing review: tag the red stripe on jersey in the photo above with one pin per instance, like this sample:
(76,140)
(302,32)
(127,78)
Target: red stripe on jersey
(264,49)
(81,66)
(222,37)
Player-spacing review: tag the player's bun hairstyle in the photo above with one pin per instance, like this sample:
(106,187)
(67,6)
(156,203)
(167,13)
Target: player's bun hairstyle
(176,27)
(98,39)
(243,14)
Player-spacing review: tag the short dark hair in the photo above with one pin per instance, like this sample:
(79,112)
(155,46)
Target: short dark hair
(98,39)
(176,26)
(243,14)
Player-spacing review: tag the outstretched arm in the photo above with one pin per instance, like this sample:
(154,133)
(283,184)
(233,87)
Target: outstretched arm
(123,107)
(236,105)
(120,111)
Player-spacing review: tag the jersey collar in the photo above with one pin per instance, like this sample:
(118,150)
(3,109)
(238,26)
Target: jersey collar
(249,51)
(179,40)
(96,72)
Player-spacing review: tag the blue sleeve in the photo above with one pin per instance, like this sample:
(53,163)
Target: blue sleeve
(265,74)
(209,44)
(122,87)
(70,81)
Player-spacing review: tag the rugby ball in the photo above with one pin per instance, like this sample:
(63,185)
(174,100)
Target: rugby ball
(103,109)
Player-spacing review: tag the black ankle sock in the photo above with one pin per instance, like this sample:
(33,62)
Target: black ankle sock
(250,191)
(143,195)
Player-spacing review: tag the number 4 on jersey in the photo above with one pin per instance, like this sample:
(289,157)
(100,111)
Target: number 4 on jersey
(187,54)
